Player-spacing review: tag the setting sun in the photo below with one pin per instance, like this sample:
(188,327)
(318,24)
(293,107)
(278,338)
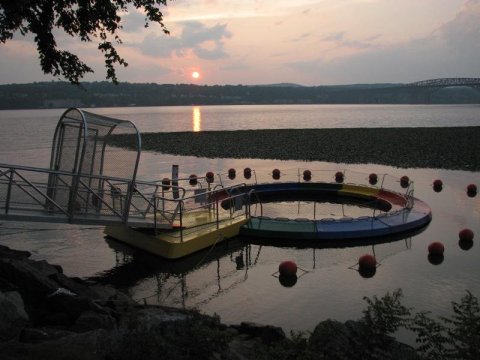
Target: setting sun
(195,74)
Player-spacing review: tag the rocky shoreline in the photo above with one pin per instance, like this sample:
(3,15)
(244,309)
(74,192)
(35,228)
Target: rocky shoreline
(47,315)
(454,148)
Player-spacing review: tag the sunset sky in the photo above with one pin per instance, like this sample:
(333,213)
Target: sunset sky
(308,42)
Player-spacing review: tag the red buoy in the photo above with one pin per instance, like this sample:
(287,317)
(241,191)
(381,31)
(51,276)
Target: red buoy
(465,235)
(472,187)
(165,183)
(372,178)
(437,185)
(367,261)
(247,173)
(436,248)
(339,177)
(209,177)
(404,181)
(287,268)
(276,174)
(193,180)
(307,175)
(231,173)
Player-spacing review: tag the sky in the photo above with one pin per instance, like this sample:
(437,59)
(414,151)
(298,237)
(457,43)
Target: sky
(307,42)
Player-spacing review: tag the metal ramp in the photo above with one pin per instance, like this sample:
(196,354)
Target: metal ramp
(90,181)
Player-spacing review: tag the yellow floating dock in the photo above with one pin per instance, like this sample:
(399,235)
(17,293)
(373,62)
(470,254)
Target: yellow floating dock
(177,243)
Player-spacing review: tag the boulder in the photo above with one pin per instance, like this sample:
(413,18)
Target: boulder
(12,314)
(91,345)
(90,320)
(37,335)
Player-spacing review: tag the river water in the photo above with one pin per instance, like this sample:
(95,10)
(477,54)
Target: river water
(237,280)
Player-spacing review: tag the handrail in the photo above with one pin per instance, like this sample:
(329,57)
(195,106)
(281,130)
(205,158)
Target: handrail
(12,171)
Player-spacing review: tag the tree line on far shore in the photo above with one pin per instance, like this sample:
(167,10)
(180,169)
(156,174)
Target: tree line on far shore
(60,94)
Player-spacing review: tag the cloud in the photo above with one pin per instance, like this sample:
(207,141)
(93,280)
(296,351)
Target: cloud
(463,32)
(302,37)
(133,21)
(205,42)
(340,40)
(450,51)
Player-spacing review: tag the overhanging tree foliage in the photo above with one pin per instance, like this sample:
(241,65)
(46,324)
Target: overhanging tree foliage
(85,19)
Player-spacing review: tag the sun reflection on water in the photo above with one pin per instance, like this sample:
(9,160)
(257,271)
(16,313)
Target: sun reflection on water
(196,119)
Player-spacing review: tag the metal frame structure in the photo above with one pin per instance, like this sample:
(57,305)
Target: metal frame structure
(92,179)
(81,148)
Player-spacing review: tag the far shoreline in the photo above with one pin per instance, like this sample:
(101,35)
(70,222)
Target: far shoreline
(452,148)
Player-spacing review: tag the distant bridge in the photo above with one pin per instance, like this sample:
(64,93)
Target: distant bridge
(446,82)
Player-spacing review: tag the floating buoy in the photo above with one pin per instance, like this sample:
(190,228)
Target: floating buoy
(339,177)
(247,173)
(367,261)
(404,181)
(436,248)
(193,180)
(466,234)
(372,178)
(165,184)
(287,268)
(437,185)
(472,190)
(472,187)
(209,176)
(276,174)
(307,175)
(231,173)
(367,266)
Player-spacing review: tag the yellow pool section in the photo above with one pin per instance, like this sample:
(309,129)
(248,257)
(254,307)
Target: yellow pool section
(177,243)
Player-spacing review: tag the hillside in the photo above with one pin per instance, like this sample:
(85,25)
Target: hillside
(43,95)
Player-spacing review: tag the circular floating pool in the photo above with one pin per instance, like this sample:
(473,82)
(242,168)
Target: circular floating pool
(391,212)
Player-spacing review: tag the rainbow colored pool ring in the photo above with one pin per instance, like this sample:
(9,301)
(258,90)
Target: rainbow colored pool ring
(394,212)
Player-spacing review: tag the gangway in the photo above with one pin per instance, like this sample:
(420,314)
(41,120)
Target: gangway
(91,181)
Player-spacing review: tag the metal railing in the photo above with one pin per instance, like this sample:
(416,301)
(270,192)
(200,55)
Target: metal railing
(312,210)
(36,194)
(28,193)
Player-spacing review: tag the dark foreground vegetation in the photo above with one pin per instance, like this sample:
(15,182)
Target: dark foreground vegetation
(455,148)
(47,315)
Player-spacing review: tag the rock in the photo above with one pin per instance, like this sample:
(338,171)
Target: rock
(151,317)
(75,285)
(91,320)
(71,305)
(12,314)
(267,333)
(92,345)
(352,340)
(23,272)
(7,253)
(36,335)
(330,339)
(239,349)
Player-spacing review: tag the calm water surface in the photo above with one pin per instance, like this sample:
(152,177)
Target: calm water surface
(237,280)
